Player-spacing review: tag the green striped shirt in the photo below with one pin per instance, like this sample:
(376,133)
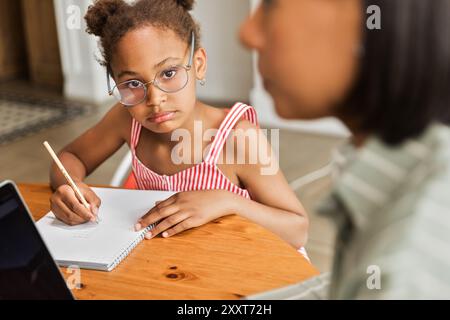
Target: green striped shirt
(391,207)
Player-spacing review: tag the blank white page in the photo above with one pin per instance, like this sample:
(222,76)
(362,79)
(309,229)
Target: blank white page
(99,246)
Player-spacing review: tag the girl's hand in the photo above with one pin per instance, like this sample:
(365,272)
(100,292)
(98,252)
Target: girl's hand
(186,210)
(67,208)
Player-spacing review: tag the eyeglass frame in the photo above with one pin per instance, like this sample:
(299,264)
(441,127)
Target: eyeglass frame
(154,81)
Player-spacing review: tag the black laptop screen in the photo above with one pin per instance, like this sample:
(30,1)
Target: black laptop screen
(27,270)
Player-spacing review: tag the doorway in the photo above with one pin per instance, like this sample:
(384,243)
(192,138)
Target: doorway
(29,50)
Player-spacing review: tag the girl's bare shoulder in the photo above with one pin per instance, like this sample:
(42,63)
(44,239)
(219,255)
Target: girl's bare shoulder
(119,121)
(215,114)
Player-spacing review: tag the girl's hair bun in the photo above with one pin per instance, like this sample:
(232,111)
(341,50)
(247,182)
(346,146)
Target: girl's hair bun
(98,14)
(188,5)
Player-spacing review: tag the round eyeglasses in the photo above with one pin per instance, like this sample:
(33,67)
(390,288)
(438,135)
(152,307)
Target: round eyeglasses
(169,80)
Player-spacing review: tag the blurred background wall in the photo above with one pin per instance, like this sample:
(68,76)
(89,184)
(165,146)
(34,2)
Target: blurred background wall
(29,46)
(230,73)
(44,43)
(230,70)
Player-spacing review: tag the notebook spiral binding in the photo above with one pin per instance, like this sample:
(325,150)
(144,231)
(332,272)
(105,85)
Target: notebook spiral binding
(130,248)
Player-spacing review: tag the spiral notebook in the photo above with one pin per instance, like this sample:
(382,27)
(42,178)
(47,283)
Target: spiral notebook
(101,246)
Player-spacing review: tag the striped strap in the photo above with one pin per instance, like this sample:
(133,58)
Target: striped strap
(227,125)
(135,134)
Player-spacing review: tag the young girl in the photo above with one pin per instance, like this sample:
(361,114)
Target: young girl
(152,51)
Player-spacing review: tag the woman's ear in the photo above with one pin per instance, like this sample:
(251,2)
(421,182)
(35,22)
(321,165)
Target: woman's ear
(200,63)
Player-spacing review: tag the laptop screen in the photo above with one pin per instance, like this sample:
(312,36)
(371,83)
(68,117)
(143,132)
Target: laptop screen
(27,270)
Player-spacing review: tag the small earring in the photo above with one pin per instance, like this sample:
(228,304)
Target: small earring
(203,82)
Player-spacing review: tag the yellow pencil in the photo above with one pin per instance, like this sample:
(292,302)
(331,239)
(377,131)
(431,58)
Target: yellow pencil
(68,178)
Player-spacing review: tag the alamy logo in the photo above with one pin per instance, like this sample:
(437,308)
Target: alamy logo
(241,147)
(73,21)
(74,280)
(374,20)
(374,280)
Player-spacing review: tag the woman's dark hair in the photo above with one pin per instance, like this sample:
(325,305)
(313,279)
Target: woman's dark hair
(112,19)
(403,83)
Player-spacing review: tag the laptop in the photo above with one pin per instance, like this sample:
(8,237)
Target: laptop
(27,270)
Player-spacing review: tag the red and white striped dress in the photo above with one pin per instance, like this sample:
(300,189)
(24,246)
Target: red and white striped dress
(204,176)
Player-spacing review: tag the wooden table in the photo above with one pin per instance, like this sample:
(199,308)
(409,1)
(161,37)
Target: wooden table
(226,259)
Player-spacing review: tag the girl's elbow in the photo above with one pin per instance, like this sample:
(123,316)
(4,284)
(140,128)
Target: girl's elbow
(302,233)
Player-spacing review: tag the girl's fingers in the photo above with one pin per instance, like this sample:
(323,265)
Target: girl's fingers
(166,224)
(156,214)
(167,202)
(74,205)
(93,200)
(183,226)
(83,212)
(59,210)
(63,213)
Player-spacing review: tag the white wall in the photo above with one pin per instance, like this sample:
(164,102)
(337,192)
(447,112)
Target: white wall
(230,72)
(84,78)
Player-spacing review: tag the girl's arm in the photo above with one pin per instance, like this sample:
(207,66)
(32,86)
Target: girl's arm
(81,158)
(274,204)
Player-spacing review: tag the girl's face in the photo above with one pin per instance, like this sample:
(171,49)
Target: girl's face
(146,52)
(308,52)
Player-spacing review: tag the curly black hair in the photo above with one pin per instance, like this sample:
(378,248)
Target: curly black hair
(112,19)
